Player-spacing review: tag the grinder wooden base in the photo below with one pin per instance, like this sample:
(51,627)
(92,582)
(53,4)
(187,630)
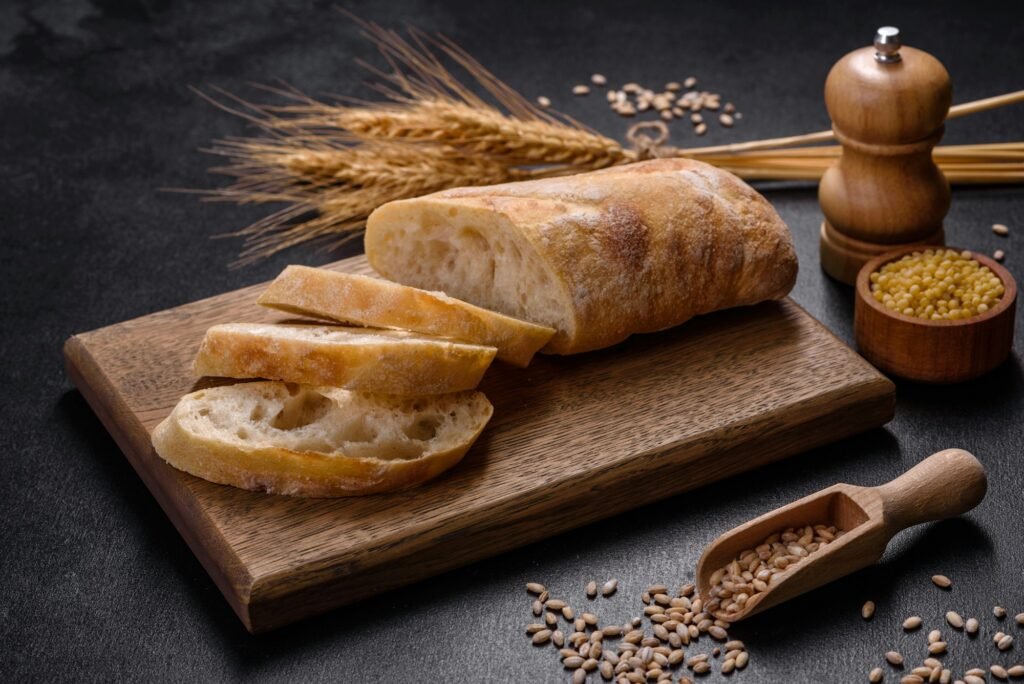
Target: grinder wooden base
(842,257)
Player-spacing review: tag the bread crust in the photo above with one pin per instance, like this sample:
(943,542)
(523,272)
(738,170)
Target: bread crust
(363,300)
(635,248)
(279,470)
(388,362)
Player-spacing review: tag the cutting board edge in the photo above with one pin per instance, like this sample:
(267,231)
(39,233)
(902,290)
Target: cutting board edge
(259,601)
(874,391)
(202,536)
(353,264)
(271,608)
(851,352)
(248,595)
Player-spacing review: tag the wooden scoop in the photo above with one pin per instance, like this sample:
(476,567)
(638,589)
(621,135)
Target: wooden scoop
(943,485)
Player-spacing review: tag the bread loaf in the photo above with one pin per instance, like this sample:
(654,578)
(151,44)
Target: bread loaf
(597,256)
(318,441)
(384,361)
(359,299)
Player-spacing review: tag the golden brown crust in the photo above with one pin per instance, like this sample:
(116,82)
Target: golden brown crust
(384,361)
(304,473)
(638,248)
(359,299)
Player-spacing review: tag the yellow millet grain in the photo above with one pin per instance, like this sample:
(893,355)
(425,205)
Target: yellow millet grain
(937,284)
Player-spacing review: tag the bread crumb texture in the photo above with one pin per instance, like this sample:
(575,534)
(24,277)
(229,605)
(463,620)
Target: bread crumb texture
(598,256)
(318,441)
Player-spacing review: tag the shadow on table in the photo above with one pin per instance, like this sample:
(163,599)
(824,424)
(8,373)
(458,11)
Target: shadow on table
(869,458)
(874,450)
(951,546)
(160,541)
(980,397)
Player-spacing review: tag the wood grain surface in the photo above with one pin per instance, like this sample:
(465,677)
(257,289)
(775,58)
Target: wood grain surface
(944,485)
(936,352)
(573,440)
(886,191)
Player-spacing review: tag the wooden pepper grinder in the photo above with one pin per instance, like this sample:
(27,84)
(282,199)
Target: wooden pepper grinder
(888,105)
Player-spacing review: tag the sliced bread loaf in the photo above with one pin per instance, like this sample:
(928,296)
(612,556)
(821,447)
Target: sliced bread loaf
(318,441)
(383,361)
(598,256)
(351,298)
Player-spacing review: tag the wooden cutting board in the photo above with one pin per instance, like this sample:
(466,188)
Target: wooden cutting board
(722,394)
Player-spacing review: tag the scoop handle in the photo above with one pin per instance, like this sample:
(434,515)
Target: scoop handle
(946,484)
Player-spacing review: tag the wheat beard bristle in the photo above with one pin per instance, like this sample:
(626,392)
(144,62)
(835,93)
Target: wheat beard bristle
(333,164)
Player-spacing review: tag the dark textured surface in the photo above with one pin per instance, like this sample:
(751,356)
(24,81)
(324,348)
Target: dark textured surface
(95,583)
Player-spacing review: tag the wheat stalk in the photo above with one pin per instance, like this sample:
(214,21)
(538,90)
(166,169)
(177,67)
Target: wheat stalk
(332,163)
(473,130)
(329,194)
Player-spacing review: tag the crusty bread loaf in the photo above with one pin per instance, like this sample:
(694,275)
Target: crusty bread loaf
(359,299)
(384,361)
(318,441)
(597,256)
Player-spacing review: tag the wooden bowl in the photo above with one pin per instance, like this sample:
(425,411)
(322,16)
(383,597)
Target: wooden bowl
(933,351)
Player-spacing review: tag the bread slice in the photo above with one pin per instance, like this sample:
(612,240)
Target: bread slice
(318,441)
(359,299)
(384,361)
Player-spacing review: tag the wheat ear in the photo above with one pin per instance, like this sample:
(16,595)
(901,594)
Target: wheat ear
(331,164)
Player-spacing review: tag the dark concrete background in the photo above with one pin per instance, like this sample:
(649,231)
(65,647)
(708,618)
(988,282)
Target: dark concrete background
(96,115)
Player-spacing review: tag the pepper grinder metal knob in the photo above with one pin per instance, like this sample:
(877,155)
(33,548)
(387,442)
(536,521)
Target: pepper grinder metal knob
(888,104)
(887,44)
